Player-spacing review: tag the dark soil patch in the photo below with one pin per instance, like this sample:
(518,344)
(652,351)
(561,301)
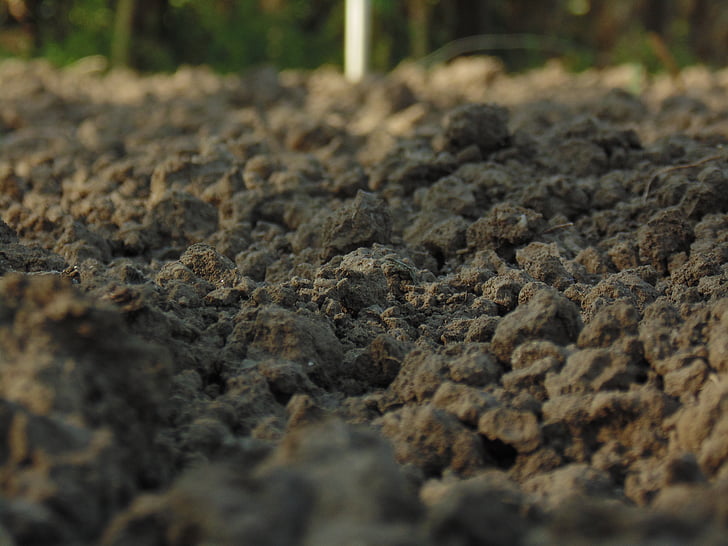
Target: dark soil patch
(436,308)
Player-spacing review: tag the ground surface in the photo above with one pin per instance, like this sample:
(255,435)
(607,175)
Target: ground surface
(439,308)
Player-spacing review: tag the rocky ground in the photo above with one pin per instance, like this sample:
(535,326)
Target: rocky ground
(443,307)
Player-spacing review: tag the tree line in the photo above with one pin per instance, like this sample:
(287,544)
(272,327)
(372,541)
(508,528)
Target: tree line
(232,35)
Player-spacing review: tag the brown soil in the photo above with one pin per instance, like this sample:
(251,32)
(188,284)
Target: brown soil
(438,308)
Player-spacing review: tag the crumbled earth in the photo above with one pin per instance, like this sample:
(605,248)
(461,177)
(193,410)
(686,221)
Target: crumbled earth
(441,307)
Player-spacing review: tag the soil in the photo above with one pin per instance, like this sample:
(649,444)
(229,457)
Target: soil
(442,307)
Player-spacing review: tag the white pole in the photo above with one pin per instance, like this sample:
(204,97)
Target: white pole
(357,38)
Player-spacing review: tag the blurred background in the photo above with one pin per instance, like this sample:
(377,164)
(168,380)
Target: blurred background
(230,35)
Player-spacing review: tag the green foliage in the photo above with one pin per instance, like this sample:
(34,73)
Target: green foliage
(227,35)
(68,33)
(633,46)
(232,35)
(680,43)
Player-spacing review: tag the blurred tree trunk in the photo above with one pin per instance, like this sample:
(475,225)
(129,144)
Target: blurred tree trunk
(655,15)
(708,22)
(699,17)
(123,29)
(419,27)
